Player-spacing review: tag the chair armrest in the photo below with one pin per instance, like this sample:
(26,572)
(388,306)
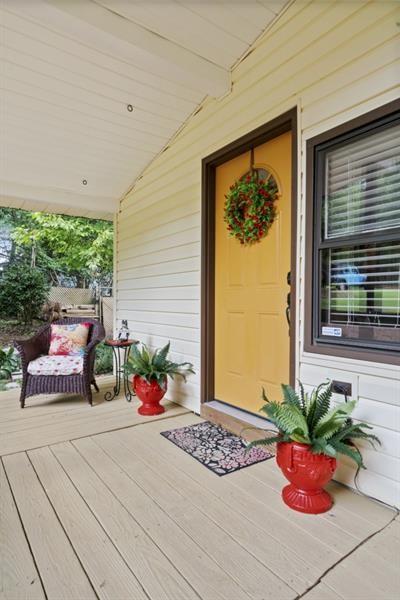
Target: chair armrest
(33,347)
(88,350)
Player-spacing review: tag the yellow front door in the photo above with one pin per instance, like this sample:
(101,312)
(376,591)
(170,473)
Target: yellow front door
(252,346)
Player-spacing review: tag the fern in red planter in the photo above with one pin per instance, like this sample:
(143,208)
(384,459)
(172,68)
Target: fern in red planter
(151,370)
(311,434)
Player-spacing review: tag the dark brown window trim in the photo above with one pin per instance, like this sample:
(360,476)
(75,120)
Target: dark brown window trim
(279,125)
(311,345)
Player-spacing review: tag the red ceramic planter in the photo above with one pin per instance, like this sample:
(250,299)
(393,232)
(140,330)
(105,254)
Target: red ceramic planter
(150,395)
(307,473)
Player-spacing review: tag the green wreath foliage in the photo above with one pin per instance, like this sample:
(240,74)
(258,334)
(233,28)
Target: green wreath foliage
(250,208)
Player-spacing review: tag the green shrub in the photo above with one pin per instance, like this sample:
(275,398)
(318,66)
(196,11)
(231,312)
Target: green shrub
(9,363)
(23,292)
(104,359)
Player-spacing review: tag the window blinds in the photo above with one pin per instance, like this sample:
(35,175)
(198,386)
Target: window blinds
(363,285)
(362,185)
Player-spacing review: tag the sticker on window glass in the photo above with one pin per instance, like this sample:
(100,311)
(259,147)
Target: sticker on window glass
(335,331)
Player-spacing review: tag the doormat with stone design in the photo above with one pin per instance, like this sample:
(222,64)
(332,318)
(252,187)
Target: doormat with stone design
(216,448)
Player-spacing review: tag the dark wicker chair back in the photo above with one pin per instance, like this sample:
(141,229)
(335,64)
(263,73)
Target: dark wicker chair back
(53,384)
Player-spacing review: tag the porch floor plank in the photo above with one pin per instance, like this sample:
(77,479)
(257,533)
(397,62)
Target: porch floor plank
(361,574)
(209,534)
(125,514)
(157,574)
(208,579)
(110,575)
(322,592)
(319,540)
(18,575)
(49,419)
(162,462)
(59,567)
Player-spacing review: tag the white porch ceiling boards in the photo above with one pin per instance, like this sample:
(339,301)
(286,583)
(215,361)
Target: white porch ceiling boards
(69,68)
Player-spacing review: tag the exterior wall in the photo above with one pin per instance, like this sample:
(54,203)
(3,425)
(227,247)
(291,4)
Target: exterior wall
(335,61)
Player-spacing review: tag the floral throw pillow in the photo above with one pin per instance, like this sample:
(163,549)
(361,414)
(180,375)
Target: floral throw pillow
(69,340)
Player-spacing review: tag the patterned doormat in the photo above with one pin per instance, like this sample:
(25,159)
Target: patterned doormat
(217,449)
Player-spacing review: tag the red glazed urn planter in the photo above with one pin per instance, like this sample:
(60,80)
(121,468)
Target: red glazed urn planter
(307,473)
(150,394)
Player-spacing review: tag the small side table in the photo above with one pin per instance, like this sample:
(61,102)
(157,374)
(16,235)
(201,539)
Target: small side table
(121,352)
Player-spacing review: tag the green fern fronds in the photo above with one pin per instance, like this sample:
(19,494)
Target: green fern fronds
(290,396)
(310,405)
(155,365)
(302,396)
(267,441)
(290,420)
(334,419)
(309,419)
(321,446)
(350,451)
(368,437)
(322,404)
(271,409)
(356,432)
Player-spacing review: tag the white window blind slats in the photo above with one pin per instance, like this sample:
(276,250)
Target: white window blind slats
(362,185)
(362,285)
(379,156)
(370,198)
(367,221)
(388,176)
(369,211)
(361,148)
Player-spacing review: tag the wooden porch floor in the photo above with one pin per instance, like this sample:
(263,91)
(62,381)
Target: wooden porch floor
(126,515)
(56,418)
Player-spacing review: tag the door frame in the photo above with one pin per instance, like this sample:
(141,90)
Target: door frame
(281,124)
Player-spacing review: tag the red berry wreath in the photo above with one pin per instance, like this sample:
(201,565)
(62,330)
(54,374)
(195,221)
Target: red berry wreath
(250,207)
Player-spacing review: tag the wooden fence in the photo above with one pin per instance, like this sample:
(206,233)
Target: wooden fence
(81,296)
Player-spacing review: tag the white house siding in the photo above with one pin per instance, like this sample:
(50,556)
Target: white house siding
(335,61)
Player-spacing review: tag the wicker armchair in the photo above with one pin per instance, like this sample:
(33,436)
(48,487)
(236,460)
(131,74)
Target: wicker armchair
(38,345)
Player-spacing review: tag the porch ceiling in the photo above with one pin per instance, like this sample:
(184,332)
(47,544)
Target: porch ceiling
(69,70)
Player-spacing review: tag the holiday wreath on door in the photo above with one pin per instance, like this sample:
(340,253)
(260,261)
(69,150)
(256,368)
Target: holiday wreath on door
(250,206)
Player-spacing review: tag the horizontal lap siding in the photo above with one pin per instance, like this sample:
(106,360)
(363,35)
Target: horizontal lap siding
(335,61)
(379,406)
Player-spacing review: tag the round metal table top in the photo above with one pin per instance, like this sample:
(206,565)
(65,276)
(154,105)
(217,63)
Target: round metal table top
(119,343)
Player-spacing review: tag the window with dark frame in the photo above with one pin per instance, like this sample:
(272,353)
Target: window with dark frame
(356,248)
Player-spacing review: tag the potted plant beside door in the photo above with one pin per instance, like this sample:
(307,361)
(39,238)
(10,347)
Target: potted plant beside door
(150,372)
(311,434)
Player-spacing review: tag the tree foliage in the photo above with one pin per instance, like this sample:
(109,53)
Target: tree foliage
(22,293)
(61,246)
(9,362)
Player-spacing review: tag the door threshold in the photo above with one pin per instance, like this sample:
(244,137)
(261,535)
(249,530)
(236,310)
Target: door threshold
(239,422)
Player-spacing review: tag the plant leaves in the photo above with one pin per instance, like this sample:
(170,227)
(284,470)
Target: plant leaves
(155,365)
(334,419)
(322,404)
(290,396)
(309,420)
(265,442)
(350,451)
